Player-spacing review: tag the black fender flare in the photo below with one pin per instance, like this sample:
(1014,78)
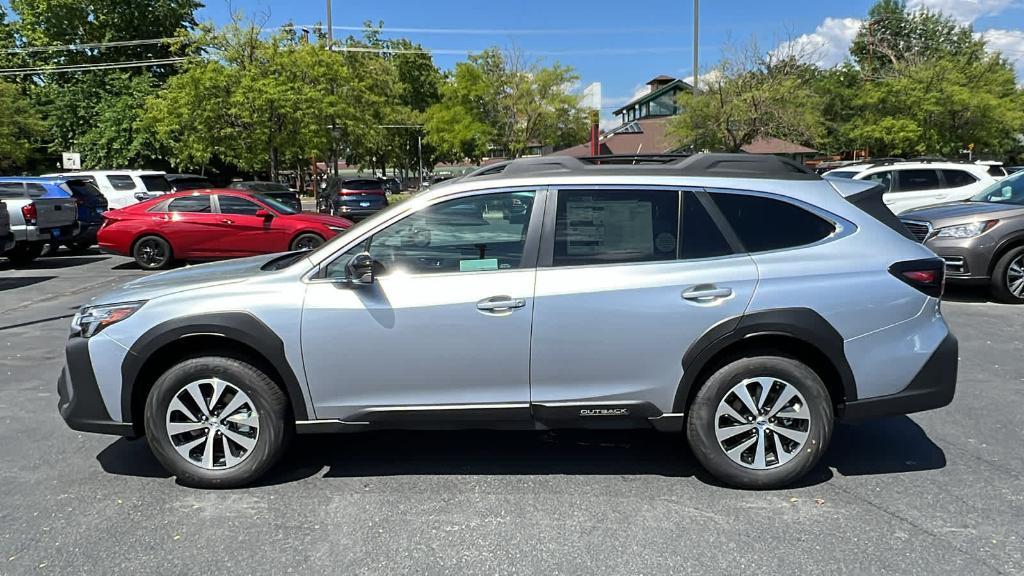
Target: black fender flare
(239,326)
(1002,247)
(801,324)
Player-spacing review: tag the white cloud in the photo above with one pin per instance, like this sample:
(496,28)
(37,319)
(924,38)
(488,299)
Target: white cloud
(707,77)
(828,45)
(1010,43)
(965,11)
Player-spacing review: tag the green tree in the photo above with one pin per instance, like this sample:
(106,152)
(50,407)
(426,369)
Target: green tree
(498,102)
(20,126)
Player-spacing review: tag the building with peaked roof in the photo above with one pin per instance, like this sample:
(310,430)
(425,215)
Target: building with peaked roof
(659,101)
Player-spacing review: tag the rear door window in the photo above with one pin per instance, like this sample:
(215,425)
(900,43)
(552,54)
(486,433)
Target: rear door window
(121,182)
(915,180)
(190,204)
(957,178)
(764,224)
(615,226)
(12,190)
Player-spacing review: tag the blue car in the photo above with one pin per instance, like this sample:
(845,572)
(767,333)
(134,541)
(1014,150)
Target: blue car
(89,201)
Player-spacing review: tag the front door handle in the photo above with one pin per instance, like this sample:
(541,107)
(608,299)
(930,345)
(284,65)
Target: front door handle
(706,293)
(499,303)
(226,221)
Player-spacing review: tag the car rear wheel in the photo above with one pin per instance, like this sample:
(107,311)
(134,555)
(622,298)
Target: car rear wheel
(760,422)
(216,422)
(307,242)
(24,253)
(152,253)
(1008,277)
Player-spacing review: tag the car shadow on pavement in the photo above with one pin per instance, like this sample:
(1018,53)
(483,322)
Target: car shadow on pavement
(22,282)
(887,446)
(968,294)
(54,263)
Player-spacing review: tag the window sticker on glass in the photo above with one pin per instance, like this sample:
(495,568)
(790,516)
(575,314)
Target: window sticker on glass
(478,265)
(597,226)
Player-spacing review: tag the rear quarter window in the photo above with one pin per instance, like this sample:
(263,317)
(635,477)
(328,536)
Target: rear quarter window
(121,182)
(764,224)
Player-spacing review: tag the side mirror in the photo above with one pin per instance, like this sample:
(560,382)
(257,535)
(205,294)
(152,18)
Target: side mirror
(359,269)
(140,196)
(265,214)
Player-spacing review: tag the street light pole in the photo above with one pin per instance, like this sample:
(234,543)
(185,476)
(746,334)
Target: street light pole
(696,32)
(330,27)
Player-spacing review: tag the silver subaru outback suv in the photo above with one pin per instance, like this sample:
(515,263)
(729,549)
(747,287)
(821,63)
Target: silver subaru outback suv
(738,299)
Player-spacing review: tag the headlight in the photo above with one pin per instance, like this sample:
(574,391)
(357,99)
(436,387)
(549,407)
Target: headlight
(966,230)
(91,319)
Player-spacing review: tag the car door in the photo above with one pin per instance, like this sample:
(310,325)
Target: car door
(914,188)
(245,233)
(443,332)
(620,298)
(122,189)
(190,225)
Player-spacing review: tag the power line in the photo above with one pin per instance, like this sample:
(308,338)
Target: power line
(88,67)
(491,31)
(90,46)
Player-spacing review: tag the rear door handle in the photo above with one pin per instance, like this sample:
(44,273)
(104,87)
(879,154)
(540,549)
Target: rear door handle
(706,293)
(497,303)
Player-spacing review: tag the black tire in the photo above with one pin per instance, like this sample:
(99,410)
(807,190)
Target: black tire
(24,253)
(78,248)
(1001,276)
(152,253)
(701,424)
(307,241)
(51,249)
(269,401)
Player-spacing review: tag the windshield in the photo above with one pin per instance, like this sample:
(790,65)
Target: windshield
(1009,190)
(276,205)
(841,174)
(331,245)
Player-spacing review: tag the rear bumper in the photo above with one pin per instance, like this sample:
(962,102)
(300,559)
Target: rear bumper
(932,387)
(357,213)
(79,400)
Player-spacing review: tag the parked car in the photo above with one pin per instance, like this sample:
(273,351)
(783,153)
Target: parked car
(209,225)
(911,184)
(124,187)
(39,211)
(6,236)
(981,239)
(91,206)
(629,296)
(355,198)
(279,192)
(183,182)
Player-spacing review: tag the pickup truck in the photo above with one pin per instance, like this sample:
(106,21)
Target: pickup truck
(39,212)
(6,236)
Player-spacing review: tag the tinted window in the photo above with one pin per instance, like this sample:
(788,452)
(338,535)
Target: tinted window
(155,183)
(883,179)
(475,234)
(182,184)
(768,224)
(607,227)
(842,174)
(236,205)
(362,185)
(957,178)
(35,190)
(190,204)
(12,190)
(700,237)
(913,180)
(84,188)
(996,171)
(121,182)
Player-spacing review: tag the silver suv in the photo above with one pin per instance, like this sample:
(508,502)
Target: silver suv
(739,299)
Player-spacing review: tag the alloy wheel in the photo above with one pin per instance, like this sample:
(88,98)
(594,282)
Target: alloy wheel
(762,423)
(307,243)
(212,424)
(151,252)
(1015,276)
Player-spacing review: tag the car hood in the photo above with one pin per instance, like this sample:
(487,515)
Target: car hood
(953,213)
(321,219)
(188,278)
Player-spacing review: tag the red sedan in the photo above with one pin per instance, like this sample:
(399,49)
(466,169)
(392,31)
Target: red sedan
(212,224)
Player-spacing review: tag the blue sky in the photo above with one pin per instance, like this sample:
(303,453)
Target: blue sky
(622,44)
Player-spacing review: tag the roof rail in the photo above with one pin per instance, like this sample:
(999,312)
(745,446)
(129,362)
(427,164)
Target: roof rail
(633,159)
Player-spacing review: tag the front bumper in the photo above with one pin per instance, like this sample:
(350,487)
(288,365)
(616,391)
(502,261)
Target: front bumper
(967,259)
(79,400)
(932,387)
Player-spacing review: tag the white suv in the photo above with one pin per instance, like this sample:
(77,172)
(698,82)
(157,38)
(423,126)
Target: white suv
(125,187)
(912,185)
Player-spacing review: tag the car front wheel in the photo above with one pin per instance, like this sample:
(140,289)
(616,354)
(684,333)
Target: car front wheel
(307,242)
(760,422)
(1008,277)
(216,422)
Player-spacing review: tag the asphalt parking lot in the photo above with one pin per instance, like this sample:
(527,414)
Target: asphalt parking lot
(934,493)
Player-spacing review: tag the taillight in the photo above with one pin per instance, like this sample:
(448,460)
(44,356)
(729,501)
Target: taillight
(28,211)
(928,275)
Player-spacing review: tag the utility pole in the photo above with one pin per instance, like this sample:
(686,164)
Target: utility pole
(330,27)
(696,33)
